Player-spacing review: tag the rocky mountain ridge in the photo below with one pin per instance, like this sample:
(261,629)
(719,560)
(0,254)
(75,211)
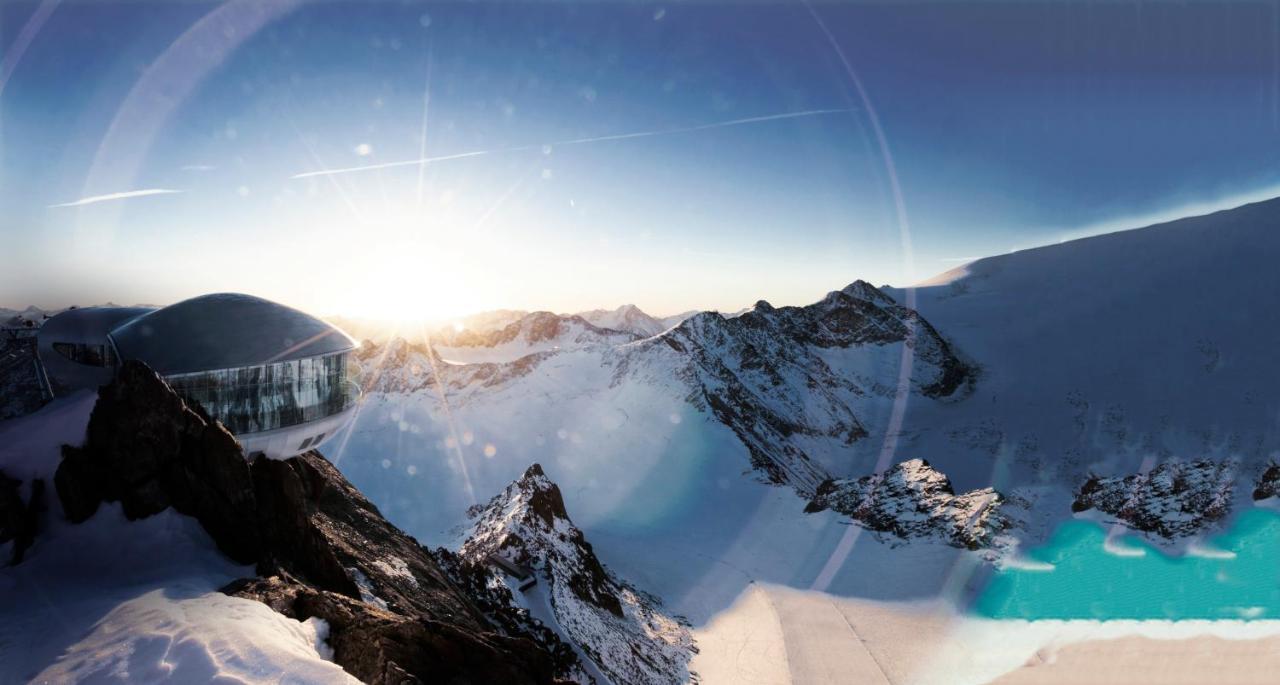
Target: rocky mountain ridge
(397,613)
(781,378)
(630,319)
(622,630)
(785,380)
(1174,499)
(912,500)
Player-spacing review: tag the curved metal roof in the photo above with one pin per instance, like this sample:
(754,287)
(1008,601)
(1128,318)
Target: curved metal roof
(87,324)
(224,331)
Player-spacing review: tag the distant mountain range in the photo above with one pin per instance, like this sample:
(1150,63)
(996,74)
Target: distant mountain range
(1125,377)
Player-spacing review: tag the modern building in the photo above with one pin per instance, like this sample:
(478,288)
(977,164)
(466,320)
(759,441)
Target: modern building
(279,379)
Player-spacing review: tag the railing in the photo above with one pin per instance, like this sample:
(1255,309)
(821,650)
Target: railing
(267,406)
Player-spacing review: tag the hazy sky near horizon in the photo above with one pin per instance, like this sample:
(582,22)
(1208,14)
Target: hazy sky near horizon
(587,154)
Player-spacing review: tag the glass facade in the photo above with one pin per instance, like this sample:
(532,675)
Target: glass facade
(253,399)
(87,354)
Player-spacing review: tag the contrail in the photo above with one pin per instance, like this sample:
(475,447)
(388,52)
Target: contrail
(702,127)
(579,141)
(389,165)
(116,196)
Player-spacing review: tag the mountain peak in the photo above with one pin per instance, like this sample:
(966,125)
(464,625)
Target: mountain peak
(865,291)
(621,629)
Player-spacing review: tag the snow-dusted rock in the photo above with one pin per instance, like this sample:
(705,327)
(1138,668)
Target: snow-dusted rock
(628,318)
(914,500)
(781,378)
(1173,500)
(1268,484)
(621,629)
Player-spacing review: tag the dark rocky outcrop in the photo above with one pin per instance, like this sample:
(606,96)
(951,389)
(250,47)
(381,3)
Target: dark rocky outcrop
(1268,484)
(19,520)
(1174,499)
(914,500)
(321,549)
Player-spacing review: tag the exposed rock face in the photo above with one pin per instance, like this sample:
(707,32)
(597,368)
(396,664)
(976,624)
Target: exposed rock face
(620,628)
(1172,500)
(913,500)
(20,386)
(773,373)
(1268,484)
(323,550)
(18,519)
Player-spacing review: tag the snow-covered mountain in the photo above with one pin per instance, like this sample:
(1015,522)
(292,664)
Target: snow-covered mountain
(1100,353)
(631,319)
(798,384)
(620,629)
(795,384)
(536,332)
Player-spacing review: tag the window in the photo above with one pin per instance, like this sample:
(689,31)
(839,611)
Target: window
(89,355)
(261,398)
(305,444)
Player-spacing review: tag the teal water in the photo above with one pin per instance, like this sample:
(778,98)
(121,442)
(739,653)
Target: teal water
(1087,581)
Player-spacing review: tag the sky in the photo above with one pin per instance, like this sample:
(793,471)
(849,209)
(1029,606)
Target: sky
(691,155)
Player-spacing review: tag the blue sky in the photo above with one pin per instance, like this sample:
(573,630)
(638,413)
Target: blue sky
(1009,125)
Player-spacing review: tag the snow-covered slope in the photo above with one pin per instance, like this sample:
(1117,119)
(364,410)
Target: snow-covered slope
(622,630)
(1100,353)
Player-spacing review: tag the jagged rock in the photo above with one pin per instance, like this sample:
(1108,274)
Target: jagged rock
(322,548)
(19,520)
(148,450)
(914,500)
(1172,500)
(1268,484)
(769,374)
(621,629)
